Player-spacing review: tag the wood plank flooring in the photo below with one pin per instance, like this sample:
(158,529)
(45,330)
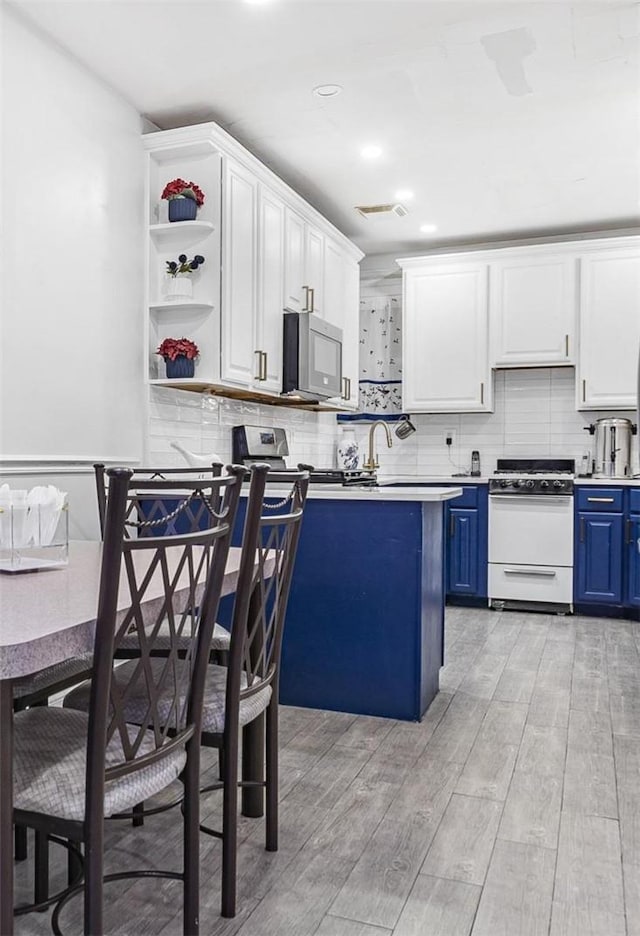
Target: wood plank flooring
(513,809)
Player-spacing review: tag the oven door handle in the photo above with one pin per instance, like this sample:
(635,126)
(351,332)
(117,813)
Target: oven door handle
(548,573)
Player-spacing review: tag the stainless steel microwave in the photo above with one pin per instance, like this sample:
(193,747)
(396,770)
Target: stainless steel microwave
(312,357)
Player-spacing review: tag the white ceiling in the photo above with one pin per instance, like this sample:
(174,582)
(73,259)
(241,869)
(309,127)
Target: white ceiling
(506,119)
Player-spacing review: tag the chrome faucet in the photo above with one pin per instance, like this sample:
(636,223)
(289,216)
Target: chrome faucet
(372,461)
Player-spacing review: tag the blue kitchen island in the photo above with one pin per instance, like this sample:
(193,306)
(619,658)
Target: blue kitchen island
(365,624)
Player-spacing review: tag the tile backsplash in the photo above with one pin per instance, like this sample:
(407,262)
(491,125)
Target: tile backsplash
(535,416)
(203,424)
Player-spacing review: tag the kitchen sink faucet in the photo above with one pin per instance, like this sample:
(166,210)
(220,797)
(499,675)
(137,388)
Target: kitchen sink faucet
(372,461)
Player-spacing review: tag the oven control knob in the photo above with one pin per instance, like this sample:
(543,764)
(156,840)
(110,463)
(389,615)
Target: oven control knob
(504,483)
(558,484)
(521,483)
(544,484)
(530,483)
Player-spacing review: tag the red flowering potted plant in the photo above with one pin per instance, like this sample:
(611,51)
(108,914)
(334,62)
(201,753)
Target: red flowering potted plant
(184,199)
(179,357)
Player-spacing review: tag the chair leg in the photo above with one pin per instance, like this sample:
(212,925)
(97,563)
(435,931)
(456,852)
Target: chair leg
(271,777)
(220,763)
(191,840)
(138,815)
(20,848)
(41,873)
(230,827)
(93,880)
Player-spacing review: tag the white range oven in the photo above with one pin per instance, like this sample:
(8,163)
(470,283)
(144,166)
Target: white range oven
(531,534)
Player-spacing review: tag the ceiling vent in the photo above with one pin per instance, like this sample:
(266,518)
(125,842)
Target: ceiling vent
(381,212)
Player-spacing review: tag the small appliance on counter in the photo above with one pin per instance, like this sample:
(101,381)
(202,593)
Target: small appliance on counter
(268,444)
(475,464)
(612,447)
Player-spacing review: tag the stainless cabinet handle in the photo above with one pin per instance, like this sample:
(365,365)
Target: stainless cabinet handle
(306,299)
(262,365)
(582,529)
(481,394)
(313,300)
(452,524)
(547,573)
(566,346)
(600,500)
(346,385)
(584,391)
(629,532)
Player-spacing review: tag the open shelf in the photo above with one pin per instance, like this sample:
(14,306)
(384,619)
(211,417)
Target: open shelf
(187,306)
(197,385)
(181,227)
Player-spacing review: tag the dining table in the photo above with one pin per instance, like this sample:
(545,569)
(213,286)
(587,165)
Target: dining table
(47,617)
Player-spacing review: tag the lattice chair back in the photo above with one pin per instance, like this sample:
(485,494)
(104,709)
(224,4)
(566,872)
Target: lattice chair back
(169,581)
(269,545)
(166,514)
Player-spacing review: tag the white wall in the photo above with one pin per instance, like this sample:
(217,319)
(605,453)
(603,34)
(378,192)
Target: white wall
(71,355)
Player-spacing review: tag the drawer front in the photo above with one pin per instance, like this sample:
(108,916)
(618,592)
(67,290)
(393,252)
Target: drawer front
(530,583)
(469,497)
(634,500)
(604,498)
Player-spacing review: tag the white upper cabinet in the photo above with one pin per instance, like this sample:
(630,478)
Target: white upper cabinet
(264,250)
(532,308)
(445,337)
(314,269)
(341,307)
(239,252)
(303,265)
(268,351)
(609,328)
(296,293)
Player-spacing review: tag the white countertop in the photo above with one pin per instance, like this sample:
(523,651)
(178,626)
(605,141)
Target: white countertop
(431,479)
(384,493)
(613,482)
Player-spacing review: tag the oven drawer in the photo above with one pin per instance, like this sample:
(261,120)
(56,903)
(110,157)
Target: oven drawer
(604,498)
(530,583)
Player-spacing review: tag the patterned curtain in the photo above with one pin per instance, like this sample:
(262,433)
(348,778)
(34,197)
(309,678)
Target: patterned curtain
(380,358)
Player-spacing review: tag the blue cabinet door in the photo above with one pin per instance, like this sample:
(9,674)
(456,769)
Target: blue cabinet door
(462,549)
(599,557)
(633,559)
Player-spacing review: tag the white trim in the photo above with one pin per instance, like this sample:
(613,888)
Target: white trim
(67,460)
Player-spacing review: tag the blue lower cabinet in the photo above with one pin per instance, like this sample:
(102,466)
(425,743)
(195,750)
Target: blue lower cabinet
(467,543)
(599,560)
(633,560)
(462,552)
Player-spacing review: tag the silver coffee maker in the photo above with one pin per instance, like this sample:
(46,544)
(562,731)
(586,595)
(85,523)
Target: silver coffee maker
(612,447)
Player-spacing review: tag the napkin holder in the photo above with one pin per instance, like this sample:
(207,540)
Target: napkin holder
(33,537)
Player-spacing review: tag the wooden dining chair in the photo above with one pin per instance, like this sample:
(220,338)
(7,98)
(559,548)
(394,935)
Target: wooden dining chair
(71,768)
(246,688)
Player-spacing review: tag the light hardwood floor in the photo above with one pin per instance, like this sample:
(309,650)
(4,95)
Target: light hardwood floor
(513,809)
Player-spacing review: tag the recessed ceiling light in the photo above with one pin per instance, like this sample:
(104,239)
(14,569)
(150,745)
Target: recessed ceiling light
(371,152)
(403,195)
(428,228)
(327,90)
